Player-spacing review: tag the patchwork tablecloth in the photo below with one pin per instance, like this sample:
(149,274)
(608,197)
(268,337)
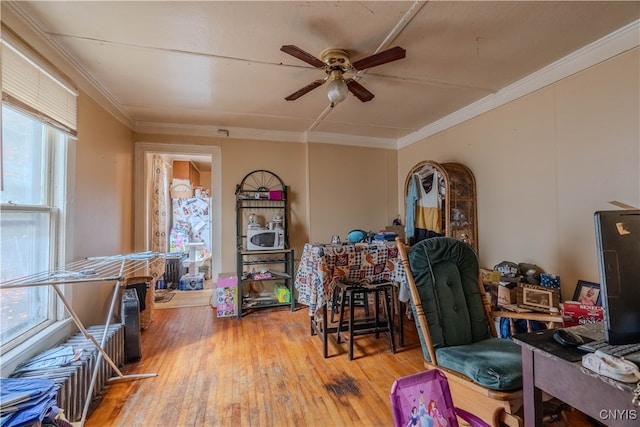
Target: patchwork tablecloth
(323,265)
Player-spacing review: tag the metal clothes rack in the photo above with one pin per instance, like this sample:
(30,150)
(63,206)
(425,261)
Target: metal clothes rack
(114,268)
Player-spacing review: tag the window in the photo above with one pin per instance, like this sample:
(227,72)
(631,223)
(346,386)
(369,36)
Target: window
(30,216)
(38,120)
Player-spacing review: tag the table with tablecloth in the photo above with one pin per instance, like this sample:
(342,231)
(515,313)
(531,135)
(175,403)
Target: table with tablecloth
(323,265)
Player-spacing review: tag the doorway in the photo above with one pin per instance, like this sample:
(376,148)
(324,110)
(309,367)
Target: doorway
(206,157)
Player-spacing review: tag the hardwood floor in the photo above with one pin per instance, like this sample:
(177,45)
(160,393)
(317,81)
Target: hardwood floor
(263,370)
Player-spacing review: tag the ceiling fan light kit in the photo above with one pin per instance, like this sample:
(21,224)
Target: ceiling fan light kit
(336,62)
(337,89)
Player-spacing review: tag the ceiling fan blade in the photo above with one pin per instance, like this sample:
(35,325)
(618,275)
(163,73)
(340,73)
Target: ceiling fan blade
(302,55)
(308,88)
(380,58)
(359,91)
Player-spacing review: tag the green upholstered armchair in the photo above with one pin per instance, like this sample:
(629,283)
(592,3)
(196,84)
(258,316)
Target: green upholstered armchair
(457,330)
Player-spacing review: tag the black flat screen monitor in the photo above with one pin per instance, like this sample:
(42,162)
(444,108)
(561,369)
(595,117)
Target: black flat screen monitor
(618,250)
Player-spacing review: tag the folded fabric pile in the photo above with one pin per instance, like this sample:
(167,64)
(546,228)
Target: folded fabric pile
(26,402)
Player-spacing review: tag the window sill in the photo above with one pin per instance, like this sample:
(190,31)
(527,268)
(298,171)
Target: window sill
(44,340)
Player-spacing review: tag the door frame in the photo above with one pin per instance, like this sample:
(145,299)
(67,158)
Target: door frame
(142,185)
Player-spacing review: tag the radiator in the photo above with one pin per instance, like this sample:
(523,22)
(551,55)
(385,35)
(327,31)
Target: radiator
(174,269)
(75,378)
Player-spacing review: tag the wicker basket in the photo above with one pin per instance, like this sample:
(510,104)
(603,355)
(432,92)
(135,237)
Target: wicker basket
(156,270)
(181,191)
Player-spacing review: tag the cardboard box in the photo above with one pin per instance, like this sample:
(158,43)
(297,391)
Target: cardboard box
(227,295)
(507,293)
(398,229)
(575,313)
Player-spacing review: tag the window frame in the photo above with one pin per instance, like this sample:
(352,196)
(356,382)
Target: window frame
(36,88)
(54,204)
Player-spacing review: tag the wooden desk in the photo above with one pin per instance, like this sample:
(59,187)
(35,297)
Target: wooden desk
(603,399)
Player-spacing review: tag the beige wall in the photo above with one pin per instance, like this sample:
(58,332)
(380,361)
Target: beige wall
(104,183)
(545,163)
(103,200)
(350,188)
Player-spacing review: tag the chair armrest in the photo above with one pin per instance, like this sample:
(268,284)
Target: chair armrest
(549,319)
(540,317)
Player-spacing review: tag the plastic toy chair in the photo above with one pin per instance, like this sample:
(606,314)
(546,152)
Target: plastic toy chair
(424,399)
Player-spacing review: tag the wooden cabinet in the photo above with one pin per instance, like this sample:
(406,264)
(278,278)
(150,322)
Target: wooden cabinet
(456,192)
(184,169)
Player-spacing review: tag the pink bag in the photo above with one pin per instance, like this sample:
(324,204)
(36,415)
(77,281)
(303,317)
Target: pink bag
(424,400)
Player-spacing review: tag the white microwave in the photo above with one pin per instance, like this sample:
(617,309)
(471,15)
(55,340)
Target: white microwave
(261,240)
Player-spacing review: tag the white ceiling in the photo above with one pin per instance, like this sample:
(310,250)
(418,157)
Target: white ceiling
(212,65)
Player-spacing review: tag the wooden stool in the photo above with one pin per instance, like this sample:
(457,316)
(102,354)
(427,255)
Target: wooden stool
(366,325)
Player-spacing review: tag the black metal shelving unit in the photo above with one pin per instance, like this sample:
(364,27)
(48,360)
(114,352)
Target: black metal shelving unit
(264,194)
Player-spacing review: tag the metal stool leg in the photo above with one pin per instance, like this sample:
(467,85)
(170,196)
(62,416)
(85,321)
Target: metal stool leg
(351,321)
(334,304)
(325,337)
(376,298)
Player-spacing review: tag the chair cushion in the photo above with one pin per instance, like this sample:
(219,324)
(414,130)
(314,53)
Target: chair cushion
(453,304)
(494,363)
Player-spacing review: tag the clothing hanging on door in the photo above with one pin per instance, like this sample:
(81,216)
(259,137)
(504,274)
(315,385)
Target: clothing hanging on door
(423,207)
(410,205)
(428,208)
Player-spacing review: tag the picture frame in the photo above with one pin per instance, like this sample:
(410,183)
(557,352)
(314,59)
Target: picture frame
(588,293)
(538,298)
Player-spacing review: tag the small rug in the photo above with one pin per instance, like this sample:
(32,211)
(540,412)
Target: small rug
(189,298)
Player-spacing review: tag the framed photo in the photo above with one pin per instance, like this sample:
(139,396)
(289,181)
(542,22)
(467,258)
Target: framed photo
(588,293)
(537,298)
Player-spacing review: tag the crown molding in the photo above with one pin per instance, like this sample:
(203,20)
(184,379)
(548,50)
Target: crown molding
(353,140)
(620,41)
(212,131)
(263,135)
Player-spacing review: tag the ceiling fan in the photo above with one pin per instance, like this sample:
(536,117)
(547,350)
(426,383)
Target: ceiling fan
(336,62)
